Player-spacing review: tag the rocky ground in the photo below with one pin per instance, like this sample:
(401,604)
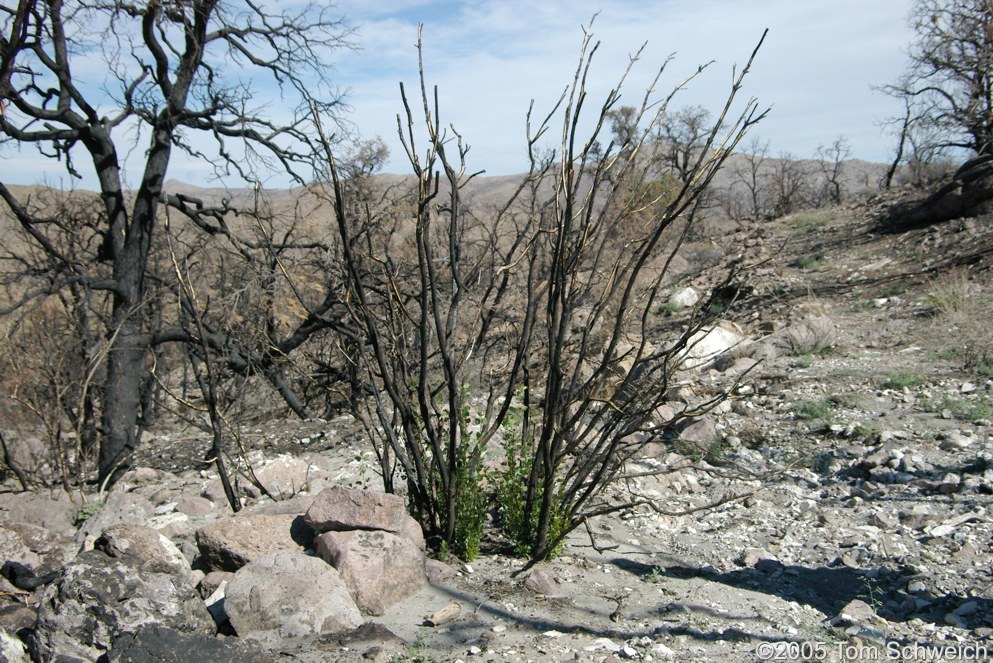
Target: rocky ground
(860,450)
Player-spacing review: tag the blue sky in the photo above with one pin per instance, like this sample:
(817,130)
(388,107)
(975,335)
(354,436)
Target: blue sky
(490,59)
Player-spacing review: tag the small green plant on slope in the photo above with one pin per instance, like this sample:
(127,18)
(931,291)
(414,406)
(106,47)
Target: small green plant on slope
(809,262)
(810,222)
(512,480)
(86,511)
(958,305)
(960,408)
(903,380)
(815,410)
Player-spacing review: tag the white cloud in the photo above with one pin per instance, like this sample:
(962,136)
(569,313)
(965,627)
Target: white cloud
(490,59)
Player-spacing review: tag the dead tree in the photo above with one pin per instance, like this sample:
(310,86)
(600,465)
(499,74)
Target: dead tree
(165,65)
(531,330)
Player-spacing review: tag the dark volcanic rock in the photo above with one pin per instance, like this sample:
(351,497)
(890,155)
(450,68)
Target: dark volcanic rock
(99,596)
(160,644)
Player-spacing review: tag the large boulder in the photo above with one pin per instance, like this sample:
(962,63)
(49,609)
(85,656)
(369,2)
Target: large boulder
(53,548)
(230,543)
(133,577)
(15,617)
(379,568)
(708,345)
(283,476)
(810,335)
(339,508)
(147,550)
(288,594)
(53,510)
(700,434)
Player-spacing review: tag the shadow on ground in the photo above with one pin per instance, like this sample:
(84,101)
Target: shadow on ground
(825,589)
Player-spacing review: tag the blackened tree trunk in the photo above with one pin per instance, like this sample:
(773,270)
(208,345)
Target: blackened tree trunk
(176,98)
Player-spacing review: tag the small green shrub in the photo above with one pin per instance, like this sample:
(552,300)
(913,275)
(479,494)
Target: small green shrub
(715,453)
(811,410)
(960,408)
(811,222)
(809,263)
(417,652)
(655,576)
(956,304)
(469,494)
(903,379)
(86,511)
(518,522)
(863,431)
(471,504)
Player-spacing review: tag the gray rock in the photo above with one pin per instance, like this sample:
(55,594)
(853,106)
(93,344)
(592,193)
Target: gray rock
(160,644)
(15,617)
(438,572)
(288,594)
(967,608)
(144,477)
(376,642)
(884,520)
(752,556)
(12,547)
(339,508)
(53,510)
(856,613)
(379,568)
(214,493)
(955,620)
(917,519)
(684,298)
(707,345)
(701,433)
(12,649)
(119,508)
(131,579)
(210,582)
(412,530)
(194,506)
(146,550)
(297,506)
(541,583)
(230,543)
(38,547)
(955,441)
(767,565)
(283,476)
